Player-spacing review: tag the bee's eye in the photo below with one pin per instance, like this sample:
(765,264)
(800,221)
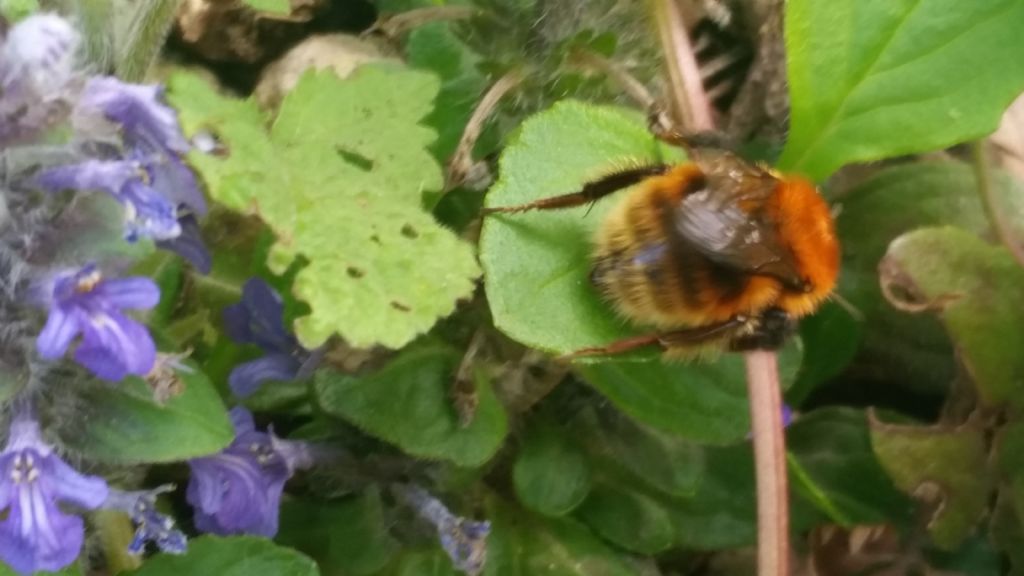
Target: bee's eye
(806,286)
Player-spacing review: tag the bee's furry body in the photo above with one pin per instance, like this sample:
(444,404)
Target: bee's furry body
(654,276)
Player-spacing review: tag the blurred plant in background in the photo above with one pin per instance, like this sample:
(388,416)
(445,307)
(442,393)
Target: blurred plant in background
(249,315)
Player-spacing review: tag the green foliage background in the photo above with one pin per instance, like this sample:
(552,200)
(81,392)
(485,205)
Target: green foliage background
(627,466)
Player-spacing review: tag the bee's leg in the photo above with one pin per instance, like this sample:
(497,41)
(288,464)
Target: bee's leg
(768,331)
(665,340)
(591,191)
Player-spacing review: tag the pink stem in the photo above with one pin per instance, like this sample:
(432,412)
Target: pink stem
(694,109)
(770,461)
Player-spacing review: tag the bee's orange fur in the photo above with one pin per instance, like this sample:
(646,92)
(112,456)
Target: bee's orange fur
(694,292)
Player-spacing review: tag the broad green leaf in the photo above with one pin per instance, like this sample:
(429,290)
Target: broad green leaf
(704,402)
(340,180)
(235,556)
(978,291)
(14,10)
(537,264)
(551,473)
(977,557)
(722,513)
(881,78)
(347,537)
(910,349)
(271,6)
(660,460)
(408,404)
(436,48)
(522,544)
(422,563)
(123,424)
(628,519)
(73,570)
(947,468)
(831,338)
(833,466)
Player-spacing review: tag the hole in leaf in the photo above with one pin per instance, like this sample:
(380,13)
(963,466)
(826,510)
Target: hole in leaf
(354,272)
(400,307)
(409,232)
(209,142)
(355,158)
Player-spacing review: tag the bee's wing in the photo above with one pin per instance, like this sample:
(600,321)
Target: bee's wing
(728,225)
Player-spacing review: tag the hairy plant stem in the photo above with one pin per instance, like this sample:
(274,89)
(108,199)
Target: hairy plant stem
(986,190)
(765,396)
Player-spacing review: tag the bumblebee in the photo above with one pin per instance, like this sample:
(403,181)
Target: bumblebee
(716,252)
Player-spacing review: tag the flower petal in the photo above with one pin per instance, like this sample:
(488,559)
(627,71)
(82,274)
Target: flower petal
(37,535)
(114,346)
(189,245)
(60,329)
(108,176)
(242,420)
(148,214)
(138,293)
(138,109)
(247,377)
(69,485)
(177,183)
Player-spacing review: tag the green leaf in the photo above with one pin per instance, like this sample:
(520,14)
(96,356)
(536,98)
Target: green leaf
(947,468)
(272,6)
(432,562)
(701,401)
(340,180)
(910,349)
(236,556)
(882,78)
(978,291)
(14,10)
(831,338)
(123,424)
(833,466)
(659,460)
(537,264)
(73,570)
(408,404)
(346,538)
(139,38)
(521,544)
(436,48)
(551,474)
(721,514)
(628,519)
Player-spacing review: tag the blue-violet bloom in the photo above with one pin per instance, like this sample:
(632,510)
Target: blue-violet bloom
(36,532)
(37,75)
(238,491)
(84,302)
(464,540)
(150,525)
(259,319)
(147,176)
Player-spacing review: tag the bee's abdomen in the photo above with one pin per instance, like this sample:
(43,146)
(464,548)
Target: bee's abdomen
(653,276)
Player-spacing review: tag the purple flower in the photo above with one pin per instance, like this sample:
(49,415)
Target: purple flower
(465,541)
(259,319)
(36,533)
(189,244)
(83,302)
(238,491)
(36,75)
(159,192)
(150,525)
